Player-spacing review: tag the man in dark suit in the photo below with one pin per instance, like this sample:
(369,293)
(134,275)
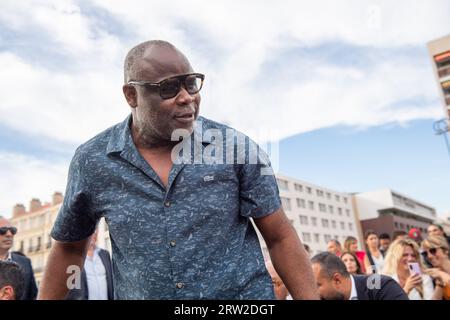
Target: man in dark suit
(335,283)
(7,232)
(96,281)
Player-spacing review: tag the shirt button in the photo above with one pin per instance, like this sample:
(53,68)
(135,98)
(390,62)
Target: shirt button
(173,243)
(180,285)
(167,204)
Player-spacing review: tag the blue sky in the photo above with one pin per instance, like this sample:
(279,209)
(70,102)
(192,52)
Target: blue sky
(348,91)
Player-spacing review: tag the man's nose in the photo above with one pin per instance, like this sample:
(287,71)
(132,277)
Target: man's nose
(184,97)
(9,233)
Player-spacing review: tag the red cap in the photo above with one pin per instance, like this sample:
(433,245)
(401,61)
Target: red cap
(414,234)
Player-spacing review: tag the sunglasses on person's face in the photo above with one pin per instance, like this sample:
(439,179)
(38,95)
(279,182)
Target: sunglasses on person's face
(4,230)
(170,87)
(432,251)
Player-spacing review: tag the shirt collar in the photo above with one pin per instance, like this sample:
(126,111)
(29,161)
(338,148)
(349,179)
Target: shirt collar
(353,292)
(121,135)
(9,256)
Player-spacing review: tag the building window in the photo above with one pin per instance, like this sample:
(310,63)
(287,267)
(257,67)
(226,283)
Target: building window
(49,241)
(345,199)
(308,190)
(328,195)
(322,207)
(333,224)
(319,193)
(316,237)
(342,225)
(306,236)
(30,245)
(340,211)
(301,203)
(21,246)
(283,184)
(338,198)
(325,223)
(38,246)
(350,226)
(331,209)
(303,220)
(396,225)
(298,187)
(327,237)
(311,205)
(286,202)
(314,221)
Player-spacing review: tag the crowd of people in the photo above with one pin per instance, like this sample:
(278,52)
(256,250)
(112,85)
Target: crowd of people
(409,268)
(420,267)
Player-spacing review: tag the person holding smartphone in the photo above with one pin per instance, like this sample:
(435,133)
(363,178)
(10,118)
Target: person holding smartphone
(403,263)
(437,250)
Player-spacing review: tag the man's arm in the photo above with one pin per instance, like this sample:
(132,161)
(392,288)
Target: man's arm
(62,255)
(288,255)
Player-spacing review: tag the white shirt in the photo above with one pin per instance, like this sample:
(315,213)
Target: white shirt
(8,257)
(379,263)
(427,286)
(96,277)
(353,293)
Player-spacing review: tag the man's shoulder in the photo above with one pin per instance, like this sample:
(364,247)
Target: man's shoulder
(20,258)
(212,124)
(225,129)
(100,141)
(364,278)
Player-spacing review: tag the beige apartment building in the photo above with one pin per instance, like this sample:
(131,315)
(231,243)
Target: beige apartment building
(34,227)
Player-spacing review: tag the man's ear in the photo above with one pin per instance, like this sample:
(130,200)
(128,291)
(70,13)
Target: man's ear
(130,95)
(337,279)
(7,293)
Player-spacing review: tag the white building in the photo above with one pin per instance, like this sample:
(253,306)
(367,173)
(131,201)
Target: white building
(317,213)
(386,211)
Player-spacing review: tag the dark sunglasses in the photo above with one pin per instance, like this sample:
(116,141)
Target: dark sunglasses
(4,230)
(432,251)
(170,87)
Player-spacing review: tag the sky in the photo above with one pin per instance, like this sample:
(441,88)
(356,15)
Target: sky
(345,88)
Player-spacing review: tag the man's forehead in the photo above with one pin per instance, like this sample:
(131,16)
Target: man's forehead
(4,223)
(316,269)
(158,63)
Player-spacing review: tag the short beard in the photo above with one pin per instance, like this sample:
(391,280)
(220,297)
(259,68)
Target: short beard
(145,137)
(336,296)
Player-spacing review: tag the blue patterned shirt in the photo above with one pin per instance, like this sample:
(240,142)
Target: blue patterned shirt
(190,240)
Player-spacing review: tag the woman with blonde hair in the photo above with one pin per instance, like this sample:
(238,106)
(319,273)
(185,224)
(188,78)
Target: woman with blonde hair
(437,250)
(416,284)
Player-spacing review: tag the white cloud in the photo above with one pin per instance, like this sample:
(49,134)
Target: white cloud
(26,177)
(74,105)
(231,42)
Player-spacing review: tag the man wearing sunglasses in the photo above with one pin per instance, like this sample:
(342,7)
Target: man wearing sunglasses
(7,232)
(178,230)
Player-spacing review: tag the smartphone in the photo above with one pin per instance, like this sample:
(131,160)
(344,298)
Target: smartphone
(414,268)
